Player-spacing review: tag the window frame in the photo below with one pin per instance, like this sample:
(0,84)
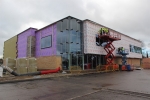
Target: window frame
(136,49)
(44,42)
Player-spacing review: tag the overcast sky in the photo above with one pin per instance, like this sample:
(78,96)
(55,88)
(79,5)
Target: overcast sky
(130,17)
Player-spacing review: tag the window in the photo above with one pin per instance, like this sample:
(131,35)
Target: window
(46,42)
(135,49)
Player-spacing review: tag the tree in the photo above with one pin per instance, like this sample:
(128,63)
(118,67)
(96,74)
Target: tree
(148,46)
(143,45)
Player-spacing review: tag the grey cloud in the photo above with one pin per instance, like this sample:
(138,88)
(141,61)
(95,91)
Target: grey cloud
(126,16)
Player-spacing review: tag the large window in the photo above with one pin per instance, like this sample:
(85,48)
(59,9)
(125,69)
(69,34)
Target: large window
(92,60)
(135,49)
(46,42)
(69,42)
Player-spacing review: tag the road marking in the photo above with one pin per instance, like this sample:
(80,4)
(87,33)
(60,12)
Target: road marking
(123,92)
(83,95)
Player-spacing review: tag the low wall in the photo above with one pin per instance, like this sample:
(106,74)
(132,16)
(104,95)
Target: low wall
(49,62)
(146,63)
(131,61)
(22,65)
(134,61)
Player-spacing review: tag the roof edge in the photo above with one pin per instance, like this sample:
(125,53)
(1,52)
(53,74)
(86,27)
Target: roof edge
(57,21)
(21,33)
(113,30)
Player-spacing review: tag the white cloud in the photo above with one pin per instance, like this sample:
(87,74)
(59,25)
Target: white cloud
(33,24)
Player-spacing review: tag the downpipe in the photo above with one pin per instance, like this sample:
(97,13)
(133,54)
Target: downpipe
(34,73)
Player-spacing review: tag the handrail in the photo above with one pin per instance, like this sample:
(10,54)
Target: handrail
(124,51)
(115,35)
(112,35)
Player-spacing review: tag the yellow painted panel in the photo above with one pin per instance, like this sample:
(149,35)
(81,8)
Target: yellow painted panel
(10,48)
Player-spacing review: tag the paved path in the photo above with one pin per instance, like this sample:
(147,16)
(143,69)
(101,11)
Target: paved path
(104,86)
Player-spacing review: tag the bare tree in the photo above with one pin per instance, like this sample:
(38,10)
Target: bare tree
(143,44)
(148,45)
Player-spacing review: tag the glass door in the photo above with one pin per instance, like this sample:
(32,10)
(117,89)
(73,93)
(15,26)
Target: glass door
(76,61)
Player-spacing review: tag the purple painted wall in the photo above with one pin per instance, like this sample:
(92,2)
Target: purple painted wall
(22,42)
(51,30)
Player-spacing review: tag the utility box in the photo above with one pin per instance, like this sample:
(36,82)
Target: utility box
(22,65)
(32,65)
(11,63)
(1,72)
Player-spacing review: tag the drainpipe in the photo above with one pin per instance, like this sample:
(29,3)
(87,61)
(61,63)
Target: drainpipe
(34,73)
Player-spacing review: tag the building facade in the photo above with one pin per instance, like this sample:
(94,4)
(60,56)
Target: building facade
(74,40)
(90,30)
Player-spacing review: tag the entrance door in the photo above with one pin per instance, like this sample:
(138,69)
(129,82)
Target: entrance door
(76,60)
(65,62)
